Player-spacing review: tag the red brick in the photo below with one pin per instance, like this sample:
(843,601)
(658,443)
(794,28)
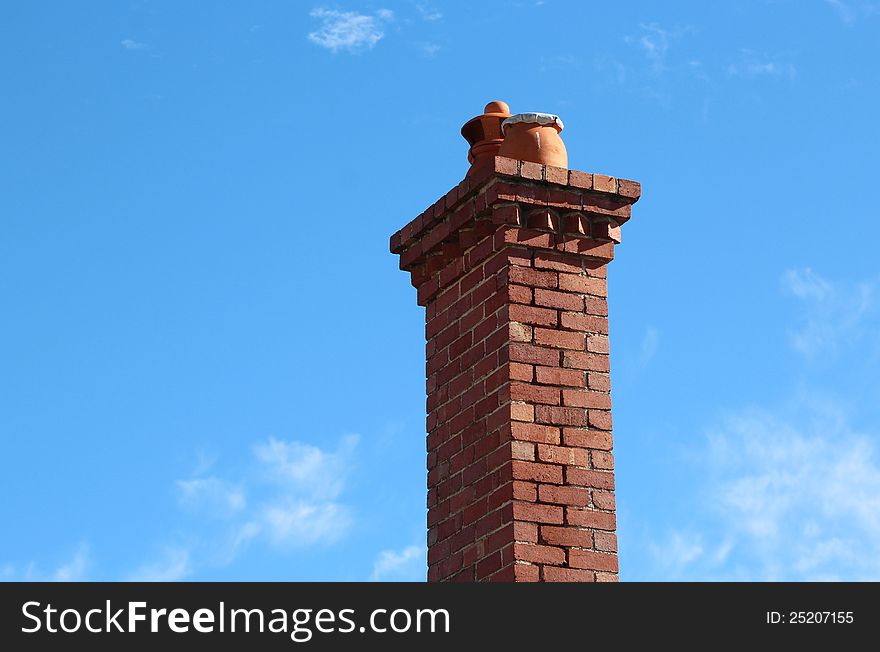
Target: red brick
(522,372)
(555,574)
(557,376)
(532,277)
(631,189)
(532,315)
(560,415)
(582,360)
(537,472)
(566,536)
(522,450)
(563,455)
(524,572)
(560,340)
(594,306)
(520,294)
(581,322)
(604,183)
(534,171)
(559,263)
(591,518)
(582,284)
(588,478)
(527,532)
(602,460)
(604,499)
(522,412)
(534,432)
(534,355)
(527,491)
(537,513)
(534,393)
(600,419)
(561,300)
(589,559)
(586,399)
(606,541)
(563,495)
(580,179)
(599,381)
(598,344)
(539,554)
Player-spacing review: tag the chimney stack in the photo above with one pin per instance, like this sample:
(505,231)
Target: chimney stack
(510,266)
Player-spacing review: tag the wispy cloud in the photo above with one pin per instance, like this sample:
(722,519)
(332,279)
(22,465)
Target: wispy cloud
(407,565)
(173,566)
(288,499)
(130,44)
(428,11)
(792,494)
(74,569)
(348,30)
(755,64)
(851,10)
(429,49)
(833,314)
(655,41)
(211,494)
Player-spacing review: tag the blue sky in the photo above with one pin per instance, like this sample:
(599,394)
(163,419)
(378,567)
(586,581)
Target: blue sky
(211,368)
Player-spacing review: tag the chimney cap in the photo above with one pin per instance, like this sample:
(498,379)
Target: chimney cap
(543,119)
(497,106)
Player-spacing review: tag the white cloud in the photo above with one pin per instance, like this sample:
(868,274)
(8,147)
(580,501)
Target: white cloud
(834,315)
(130,44)
(211,494)
(297,523)
(650,344)
(755,64)
(307,468)
(407,565)
(791,494)
(850,11)
(429,50)
(654,42)
(74,569)
(800,491)
(348,30)
(174,566)
(428,11)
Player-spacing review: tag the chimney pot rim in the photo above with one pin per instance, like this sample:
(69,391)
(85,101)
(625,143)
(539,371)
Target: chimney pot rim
(534,117)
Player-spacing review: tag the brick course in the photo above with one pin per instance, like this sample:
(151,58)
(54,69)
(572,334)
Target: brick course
(511,268)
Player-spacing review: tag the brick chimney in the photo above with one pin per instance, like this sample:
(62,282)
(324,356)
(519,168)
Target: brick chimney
(511,266)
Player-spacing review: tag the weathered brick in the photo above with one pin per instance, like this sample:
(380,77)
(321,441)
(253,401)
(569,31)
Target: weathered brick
(555,535)
(533,277)
(586,399)
(591,519)
(563,495)
(560,300)
(537,513)
(532,315)
(536,472)
(560,415)
(588,559)
(560,340)
(558,376)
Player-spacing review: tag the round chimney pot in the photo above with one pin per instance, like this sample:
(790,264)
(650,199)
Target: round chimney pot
(534,137)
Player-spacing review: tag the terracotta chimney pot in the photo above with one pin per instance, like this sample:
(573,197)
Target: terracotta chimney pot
(484,132)
(534,137)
